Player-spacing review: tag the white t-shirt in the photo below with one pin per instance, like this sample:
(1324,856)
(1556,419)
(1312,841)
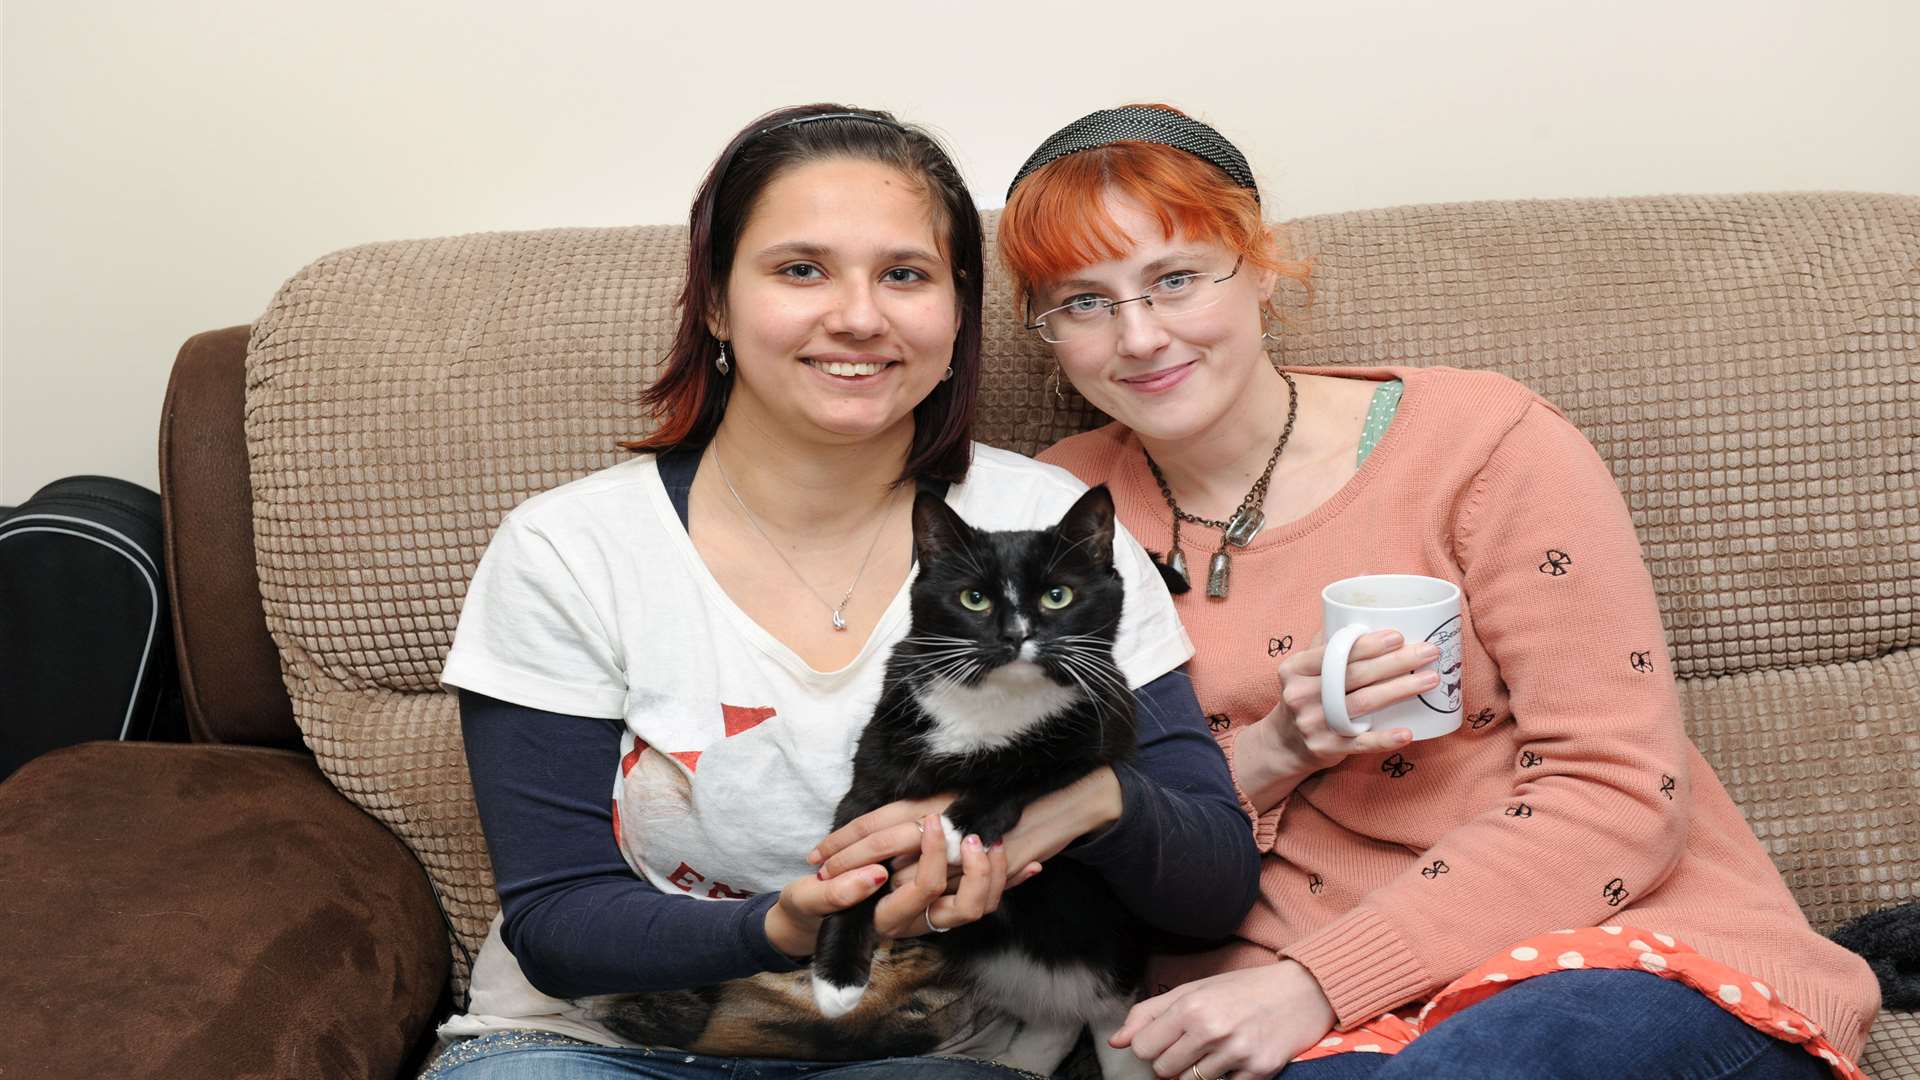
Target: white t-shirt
(592,601)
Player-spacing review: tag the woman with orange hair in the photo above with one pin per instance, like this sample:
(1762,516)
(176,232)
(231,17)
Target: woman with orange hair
(1561,886)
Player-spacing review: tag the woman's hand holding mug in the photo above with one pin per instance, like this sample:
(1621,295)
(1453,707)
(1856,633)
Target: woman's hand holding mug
(1416,609)
(1293,741)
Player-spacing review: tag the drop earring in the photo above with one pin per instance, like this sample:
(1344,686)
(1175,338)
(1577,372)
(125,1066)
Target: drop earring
(720,362)
(947,376)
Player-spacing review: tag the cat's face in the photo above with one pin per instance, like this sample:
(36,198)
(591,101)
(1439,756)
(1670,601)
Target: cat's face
(1048,599)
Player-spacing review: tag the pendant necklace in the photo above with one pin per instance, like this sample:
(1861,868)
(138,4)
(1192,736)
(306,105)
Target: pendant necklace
(1238,530)
(838,610)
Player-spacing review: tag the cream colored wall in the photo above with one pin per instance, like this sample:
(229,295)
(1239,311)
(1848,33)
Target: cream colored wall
(166,165)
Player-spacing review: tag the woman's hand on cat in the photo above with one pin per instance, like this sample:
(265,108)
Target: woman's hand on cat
(920,893)
(922,902)
(1293,741)
(1058,818)
(892,835)
(1241,1025)
(1047,825)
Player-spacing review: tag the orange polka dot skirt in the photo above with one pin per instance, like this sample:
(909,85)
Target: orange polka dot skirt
(1618,947)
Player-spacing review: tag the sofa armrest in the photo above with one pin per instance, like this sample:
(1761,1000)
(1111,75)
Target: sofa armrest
(192,911)
(229,668)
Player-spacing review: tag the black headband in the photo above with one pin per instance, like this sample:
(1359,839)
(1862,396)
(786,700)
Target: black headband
(811,117)
(1135,124)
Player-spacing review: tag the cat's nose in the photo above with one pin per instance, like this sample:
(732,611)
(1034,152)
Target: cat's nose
(1014,632)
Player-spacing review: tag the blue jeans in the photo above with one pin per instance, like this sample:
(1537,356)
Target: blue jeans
(523,1055)
(1583,1025)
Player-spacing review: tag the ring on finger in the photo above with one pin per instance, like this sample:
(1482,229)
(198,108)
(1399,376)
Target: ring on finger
(1197,1074)
(936,929)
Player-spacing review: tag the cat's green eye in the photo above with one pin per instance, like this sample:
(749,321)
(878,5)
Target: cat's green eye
(974,600)
(1056,598)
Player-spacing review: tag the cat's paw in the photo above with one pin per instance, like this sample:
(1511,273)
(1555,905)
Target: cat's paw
(836,1001)
(954,837)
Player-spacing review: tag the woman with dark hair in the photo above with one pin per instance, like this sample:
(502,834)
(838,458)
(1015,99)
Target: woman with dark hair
(664,666)
(1560,887)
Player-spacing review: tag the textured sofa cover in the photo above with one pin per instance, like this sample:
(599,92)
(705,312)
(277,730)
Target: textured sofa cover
(1747,364)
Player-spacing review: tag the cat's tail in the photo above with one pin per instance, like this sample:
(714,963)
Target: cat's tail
(843,958)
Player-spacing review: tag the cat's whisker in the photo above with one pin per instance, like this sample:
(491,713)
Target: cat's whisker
(923,661)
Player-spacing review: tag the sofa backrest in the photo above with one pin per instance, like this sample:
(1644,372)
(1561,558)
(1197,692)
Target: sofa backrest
(1745,363)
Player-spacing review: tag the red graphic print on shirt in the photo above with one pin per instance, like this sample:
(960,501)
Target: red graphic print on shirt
(738,719)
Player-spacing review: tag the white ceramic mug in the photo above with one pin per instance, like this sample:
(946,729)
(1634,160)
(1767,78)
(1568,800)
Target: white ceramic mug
(1421,609)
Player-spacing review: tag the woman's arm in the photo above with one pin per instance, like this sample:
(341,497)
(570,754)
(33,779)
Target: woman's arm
(575,916)
(1600,758)
(1180,855)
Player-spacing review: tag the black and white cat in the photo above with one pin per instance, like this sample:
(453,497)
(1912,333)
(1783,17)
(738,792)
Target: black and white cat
(1005,689)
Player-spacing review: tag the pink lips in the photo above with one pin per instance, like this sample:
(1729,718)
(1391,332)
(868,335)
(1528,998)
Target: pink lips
(1158,382)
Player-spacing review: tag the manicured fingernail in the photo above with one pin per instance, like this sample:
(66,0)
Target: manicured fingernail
(972,841)
(998,844)
(821,873)
(879,875)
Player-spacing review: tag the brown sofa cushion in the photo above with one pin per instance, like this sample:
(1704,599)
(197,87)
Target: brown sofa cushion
(1745,362)
(206,911)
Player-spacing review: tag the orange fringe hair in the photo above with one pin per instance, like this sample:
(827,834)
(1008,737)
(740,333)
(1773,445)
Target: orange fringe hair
(1056,221)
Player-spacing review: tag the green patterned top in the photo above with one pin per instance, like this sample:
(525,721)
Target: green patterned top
(1386,402)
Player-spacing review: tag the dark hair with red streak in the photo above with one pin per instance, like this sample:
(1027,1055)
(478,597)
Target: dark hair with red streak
(690,396)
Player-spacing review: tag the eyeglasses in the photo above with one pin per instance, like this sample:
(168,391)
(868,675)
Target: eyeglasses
(1182,292)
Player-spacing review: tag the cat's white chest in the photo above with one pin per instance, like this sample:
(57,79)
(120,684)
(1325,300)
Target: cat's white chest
(998,709)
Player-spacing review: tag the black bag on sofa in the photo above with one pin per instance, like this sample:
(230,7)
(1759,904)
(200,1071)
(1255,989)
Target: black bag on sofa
(86,641)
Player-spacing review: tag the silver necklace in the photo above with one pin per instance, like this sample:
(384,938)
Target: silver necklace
(838,610)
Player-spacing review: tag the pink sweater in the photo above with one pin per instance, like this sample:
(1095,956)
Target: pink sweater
(1570,797)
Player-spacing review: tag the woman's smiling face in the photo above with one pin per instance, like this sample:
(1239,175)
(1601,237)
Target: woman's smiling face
(840,306)
(1166,377)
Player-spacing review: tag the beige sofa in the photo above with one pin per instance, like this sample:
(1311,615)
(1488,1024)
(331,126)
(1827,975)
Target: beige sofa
(1749,365)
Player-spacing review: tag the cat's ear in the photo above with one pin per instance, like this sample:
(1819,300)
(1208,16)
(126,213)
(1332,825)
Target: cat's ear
(937,530)
(1088,526)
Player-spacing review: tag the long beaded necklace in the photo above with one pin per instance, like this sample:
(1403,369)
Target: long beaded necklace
(838,610)
(1238,530)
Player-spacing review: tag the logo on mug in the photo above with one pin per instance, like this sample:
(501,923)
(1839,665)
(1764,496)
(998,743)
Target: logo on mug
(1445,698)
